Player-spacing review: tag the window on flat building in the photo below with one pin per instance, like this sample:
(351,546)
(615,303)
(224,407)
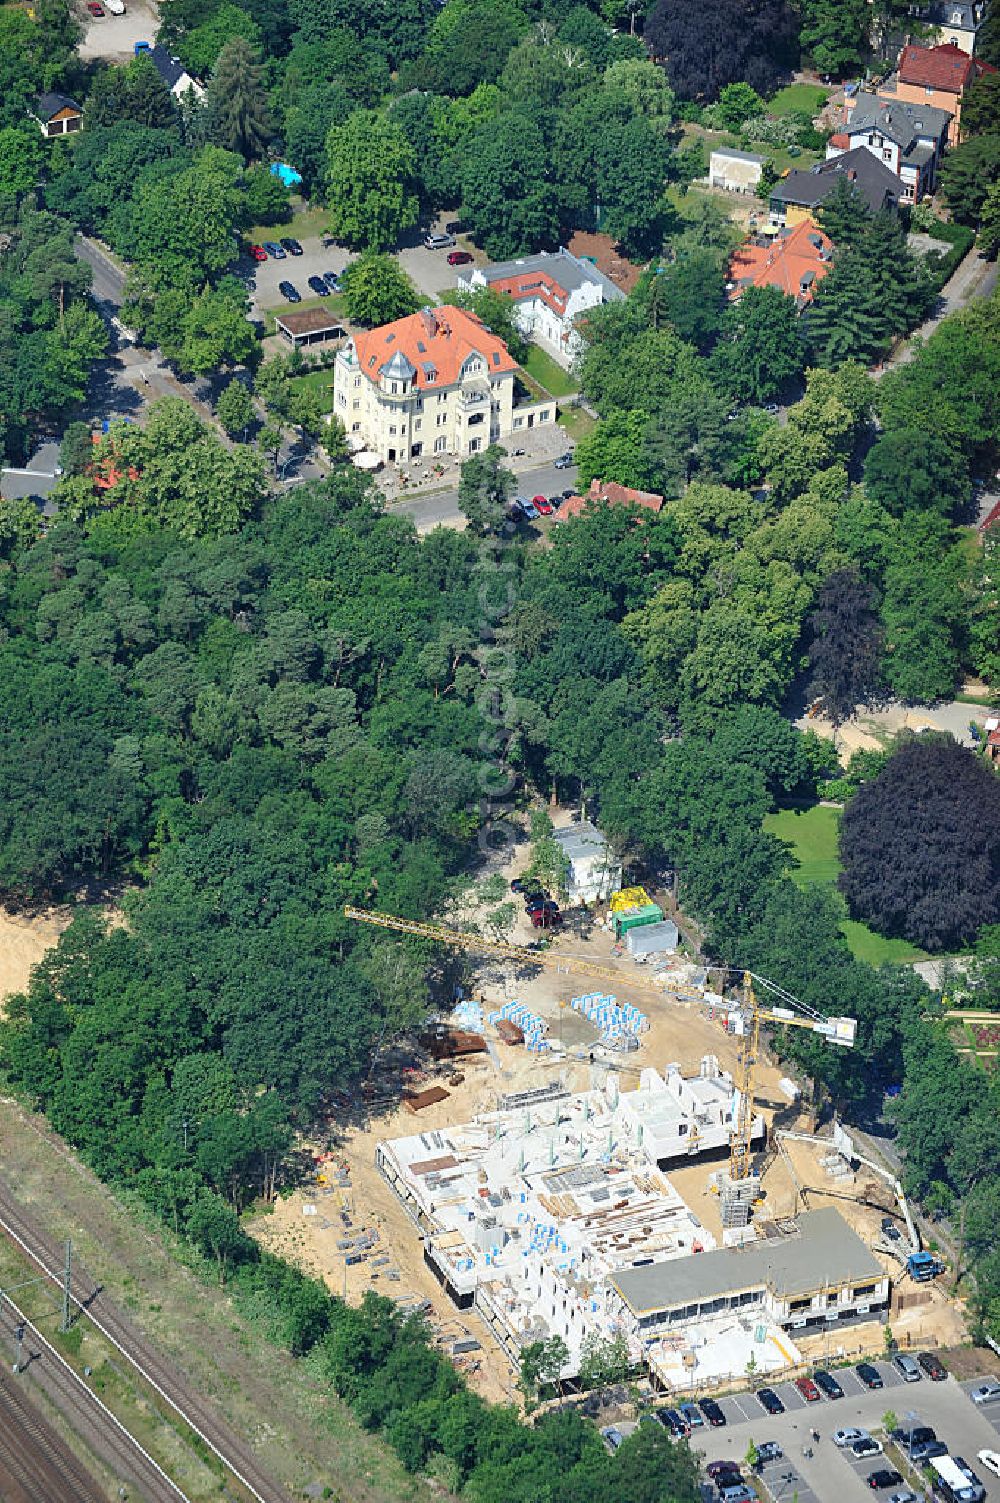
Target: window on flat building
(440,444)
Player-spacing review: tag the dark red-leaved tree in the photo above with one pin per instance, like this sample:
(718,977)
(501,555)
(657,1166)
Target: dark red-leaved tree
(706,47)
(920,845)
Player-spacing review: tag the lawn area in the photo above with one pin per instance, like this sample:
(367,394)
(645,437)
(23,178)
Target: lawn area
(783,157)
(314,380)
(799,96)
(549,374)
(576,423)
(303,225)
(812,834)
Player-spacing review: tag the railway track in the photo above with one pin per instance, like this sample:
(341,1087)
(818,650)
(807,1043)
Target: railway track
(234,1454)
(35,1465)
(85,1413)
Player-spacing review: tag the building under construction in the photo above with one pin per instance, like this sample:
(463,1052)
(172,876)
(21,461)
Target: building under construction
(541,1213)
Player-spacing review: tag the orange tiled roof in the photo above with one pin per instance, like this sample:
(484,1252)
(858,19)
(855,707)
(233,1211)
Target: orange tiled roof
(434,342)
(612,494)
(794,261)
(841,139)
(946,67)
(532,284)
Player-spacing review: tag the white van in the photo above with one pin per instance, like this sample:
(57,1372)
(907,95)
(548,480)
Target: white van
(116,7)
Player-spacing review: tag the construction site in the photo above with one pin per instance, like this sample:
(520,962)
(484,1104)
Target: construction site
(615,1163)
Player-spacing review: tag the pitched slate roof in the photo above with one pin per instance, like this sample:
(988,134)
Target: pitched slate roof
(871,178)
(793,261)
(906,124)
(170,69)
(436,343)
(47,106)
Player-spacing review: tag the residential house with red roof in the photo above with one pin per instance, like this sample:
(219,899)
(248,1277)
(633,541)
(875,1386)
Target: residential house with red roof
(611,494)
(938,76)
(795,260)
(435,383)
(550,290)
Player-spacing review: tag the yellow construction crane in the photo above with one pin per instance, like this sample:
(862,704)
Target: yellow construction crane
(785,1009)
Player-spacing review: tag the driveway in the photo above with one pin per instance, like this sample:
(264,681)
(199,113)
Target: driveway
(114,37)
(974,277)
(828,1476)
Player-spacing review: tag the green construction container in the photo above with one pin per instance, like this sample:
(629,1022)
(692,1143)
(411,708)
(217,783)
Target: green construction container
(637,918)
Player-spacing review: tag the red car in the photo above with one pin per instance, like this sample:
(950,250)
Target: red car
(807,1388)
(258,253)
(459,258)
(94,8)
(545,918)
(543,505)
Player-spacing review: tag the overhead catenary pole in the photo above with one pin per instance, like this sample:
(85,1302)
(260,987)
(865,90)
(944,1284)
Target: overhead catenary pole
(67,1278)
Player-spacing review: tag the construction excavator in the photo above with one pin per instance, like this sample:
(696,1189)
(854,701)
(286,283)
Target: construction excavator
(783,1008)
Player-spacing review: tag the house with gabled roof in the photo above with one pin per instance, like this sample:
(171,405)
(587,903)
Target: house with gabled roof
(434,383)
(909,138)
(56,115)
(939,76)
(799,194)
(174,74)
(550,292)
(795,260)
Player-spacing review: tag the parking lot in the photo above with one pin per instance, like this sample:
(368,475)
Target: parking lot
(114,37)
(428,270)
(825,1476)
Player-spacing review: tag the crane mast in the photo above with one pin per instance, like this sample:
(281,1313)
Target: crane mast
(786,1009)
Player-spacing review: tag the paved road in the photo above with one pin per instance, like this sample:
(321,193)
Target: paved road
(440,508)
(964,1427)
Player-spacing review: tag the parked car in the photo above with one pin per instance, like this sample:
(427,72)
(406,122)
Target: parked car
(990,1460)
(291,245)
(867,1447)
(869,1375)
(927,1450)
(807,1388)
(459,258)
(528,508)
(543,504)
(712,1413)
(258,253)
(290,292)
(95,9)
(438,242)
(274,250)
(332,280)
(319,287)
(919,1435)
(907,1368)
(676,1423)
(985,1392)
(772,408)
(564,461)
(526,885)
(693,1415)
(966,1470)
(556,501)
(768,1450)
(849,1436)
(115,7)
(884,1477)
(737,1492)
(828,1383)
(612,1437)
(903,1496)
(770,1401)
(890,1229)
(932,1366)
(718,1469)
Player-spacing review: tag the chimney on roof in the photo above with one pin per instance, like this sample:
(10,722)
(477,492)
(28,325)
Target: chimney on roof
(852,175)
(430,322)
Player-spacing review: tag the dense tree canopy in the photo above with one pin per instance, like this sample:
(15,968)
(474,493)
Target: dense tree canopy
(920,845)
(731,41)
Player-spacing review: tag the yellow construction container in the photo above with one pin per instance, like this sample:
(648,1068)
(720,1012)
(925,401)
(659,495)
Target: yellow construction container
(629,897)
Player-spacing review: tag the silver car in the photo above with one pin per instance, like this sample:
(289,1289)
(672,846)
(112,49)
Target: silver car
(985,1392)
(906,1367)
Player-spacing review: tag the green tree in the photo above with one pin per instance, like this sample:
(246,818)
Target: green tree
(184,228)
(22,158)
(761,349)
(876,291)
(201,46)
(377,290)
(236,102)
(508,196)
(485,489)
(76,450)
(989,222)
(215,1227)
(691,293)
(234,408)
(835,34)
(922,612)
(616,450)
(907,470)
(737,103)
(497,311)
(370,175)
(968,173)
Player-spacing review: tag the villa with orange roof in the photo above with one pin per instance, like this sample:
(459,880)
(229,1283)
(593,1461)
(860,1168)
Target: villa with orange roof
(435,383)
(550,291)
(795,260)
